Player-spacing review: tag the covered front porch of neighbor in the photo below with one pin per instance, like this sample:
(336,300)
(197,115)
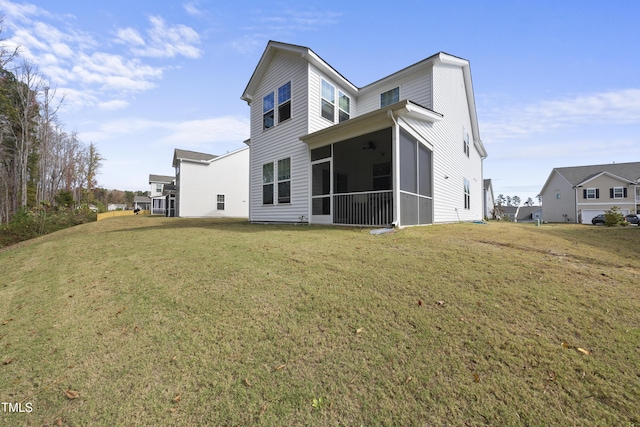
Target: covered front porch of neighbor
(370,177)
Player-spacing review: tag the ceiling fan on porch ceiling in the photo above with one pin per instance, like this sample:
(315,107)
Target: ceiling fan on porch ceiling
(370,146)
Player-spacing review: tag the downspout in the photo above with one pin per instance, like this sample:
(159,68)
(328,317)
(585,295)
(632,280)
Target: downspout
(395,148)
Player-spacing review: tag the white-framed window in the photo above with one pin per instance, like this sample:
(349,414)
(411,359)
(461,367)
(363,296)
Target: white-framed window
(158,188)
(328,101)
(591,193)
(268,111)
(618,193)
(220,202)
(344,107)
(390,97)
(467,194)
(284,180)
(284,102)
(465,142)
(267,184)
(283,98)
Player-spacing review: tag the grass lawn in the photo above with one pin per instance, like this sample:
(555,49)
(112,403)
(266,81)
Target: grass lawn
(164,321)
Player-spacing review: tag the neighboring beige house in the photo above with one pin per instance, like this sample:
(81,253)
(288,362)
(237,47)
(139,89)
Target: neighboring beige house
(577,194)
(403,150)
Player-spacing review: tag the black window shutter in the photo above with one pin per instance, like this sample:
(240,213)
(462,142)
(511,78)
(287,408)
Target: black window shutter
(597,193)
(625,192)
(584,194)
(611,193)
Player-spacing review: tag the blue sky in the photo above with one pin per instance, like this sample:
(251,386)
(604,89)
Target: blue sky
(557,83)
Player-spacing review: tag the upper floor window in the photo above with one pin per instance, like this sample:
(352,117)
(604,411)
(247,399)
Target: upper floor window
(591,193)
(284,102)
(390,97)
(465,146)
(269,106)
(158,188)
(268,111)
(328,101)
(618,192)
(344,107)
(467,194)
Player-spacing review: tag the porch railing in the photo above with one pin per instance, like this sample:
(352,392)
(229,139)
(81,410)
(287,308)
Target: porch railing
(157,211)
(373,208)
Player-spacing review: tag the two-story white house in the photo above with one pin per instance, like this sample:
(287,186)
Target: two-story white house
(579,193)
(157,194)
(404,150)
(212,186)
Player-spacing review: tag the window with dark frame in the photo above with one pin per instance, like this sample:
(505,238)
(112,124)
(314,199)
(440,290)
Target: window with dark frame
(344,107)
(465,147)
(220,202)
(618,192)
(591,193)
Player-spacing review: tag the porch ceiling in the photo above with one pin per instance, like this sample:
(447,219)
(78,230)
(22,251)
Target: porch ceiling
(370,122)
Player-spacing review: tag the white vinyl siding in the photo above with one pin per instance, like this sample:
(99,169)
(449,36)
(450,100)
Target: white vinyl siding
(200,183)
(282,141)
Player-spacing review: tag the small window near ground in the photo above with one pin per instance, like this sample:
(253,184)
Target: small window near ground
(390,97)
(220,202)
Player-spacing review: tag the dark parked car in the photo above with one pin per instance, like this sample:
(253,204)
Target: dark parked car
(598,219)
(632,219)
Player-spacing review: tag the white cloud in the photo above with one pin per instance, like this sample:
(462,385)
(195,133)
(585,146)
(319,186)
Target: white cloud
(187,134)
(116,104)
(163,41)
(516,121)
(77,61)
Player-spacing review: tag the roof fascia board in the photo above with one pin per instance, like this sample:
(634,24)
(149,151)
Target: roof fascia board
(614,176)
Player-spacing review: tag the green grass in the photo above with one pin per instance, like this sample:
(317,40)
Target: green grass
(157,321)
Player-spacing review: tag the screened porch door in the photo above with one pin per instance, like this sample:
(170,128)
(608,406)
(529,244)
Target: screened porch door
(321,185)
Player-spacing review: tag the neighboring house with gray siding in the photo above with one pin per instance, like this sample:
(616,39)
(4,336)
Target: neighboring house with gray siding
(403,150)
(579,193)
(157,194)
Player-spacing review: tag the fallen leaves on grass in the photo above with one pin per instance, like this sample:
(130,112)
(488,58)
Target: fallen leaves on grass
(72,394)
(178,398)
(359,330)
(121,310)
(580,349)
(6,362)
(7,321)
(246,381)
(583,351)
(441,303)
(281,367)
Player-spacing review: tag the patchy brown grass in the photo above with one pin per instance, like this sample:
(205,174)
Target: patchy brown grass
(156,321)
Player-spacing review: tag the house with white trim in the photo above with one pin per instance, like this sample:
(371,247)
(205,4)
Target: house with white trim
(159,184)
(211,186)
(403,150)
(577,194)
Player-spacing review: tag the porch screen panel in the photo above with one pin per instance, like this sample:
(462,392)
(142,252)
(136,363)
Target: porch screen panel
(426,210)
(408,209)
(408,163)
(425,171)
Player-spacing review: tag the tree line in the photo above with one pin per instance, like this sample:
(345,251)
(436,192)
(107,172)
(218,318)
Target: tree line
(41,164)
(503,200)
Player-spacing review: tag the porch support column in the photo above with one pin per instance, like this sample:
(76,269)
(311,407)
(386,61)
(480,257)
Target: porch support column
(395,169)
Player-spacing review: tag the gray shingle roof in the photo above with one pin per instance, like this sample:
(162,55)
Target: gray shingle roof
(578,174)
(161,178)
(193,155)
